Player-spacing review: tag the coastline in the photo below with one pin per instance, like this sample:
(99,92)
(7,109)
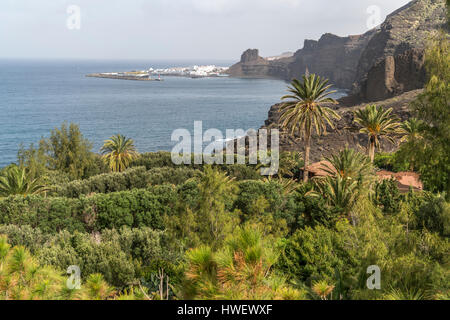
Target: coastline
(118,77)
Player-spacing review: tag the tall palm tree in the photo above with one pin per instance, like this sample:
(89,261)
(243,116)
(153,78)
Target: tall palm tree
(118,152)
(19,181)
(305,111)
(376,122)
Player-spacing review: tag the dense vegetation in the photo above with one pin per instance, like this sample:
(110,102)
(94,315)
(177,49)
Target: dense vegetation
(140,227)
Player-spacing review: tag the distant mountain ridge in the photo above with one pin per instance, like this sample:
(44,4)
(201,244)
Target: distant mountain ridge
(377,65)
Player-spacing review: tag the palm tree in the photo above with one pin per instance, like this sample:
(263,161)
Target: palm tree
(305,111)
(118,152)
(412,139)
(350,175)
(376,122)
(322,289)
(352,165)
(339,193)
(411,130)
(19,181)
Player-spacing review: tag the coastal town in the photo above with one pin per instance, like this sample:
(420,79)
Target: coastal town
(155,74)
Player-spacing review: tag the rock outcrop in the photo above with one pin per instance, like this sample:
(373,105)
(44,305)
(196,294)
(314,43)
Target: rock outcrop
(333,57)
(346,132)
(254,66)
(394,75)
(393,61)
(377,65)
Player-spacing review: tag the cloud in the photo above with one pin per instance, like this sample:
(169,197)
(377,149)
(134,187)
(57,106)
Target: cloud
(182,29)
(215,6)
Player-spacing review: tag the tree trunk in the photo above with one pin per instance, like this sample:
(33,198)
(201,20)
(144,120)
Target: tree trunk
(307,150)
(372,150)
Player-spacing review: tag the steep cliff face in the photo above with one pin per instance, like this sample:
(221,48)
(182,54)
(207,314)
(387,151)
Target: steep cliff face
(377,65)
(333,57)
(394,75)
(392,61)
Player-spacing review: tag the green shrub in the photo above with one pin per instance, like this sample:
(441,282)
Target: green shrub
(31,238)
(118,255)
(134,178)
(154,160)
(135,208)
(163,159)
(387,196)
(391,162)
(48,214)
(257,198)
(434,215)
(241,172)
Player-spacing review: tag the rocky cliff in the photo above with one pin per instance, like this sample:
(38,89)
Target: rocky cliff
(333,57)
(346,132)
(377,65)
(393,61)
(254,66)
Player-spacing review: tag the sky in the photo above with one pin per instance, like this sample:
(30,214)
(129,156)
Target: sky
(176,29)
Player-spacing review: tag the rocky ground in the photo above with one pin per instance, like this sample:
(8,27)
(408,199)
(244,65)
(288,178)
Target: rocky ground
(346,132)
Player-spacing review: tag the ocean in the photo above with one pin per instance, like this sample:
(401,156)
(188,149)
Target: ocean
(37,96)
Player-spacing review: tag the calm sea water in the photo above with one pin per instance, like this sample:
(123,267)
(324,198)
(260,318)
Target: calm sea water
(37,96)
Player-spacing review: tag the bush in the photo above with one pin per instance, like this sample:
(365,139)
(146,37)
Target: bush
(163,159)
(313,254)
(48,214)
(434,215)
(135,178)
(387,196)
(22,278)
(153,160)
(241,172)
(257,199)
(135,208)
(313,211)
(391,162)
(116,254)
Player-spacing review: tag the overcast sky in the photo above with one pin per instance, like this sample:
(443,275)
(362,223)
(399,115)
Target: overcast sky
(176,29)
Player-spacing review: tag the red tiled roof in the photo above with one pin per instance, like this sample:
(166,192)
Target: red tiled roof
(317,168)
(404,179)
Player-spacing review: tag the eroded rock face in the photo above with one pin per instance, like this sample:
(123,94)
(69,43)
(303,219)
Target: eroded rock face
(251,55)
(408,27)
(254,66)
(394,75)
(377,65)
(393,61)
(333,57)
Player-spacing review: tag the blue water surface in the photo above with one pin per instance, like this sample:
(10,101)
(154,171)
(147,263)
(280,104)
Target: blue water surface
(37,96)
